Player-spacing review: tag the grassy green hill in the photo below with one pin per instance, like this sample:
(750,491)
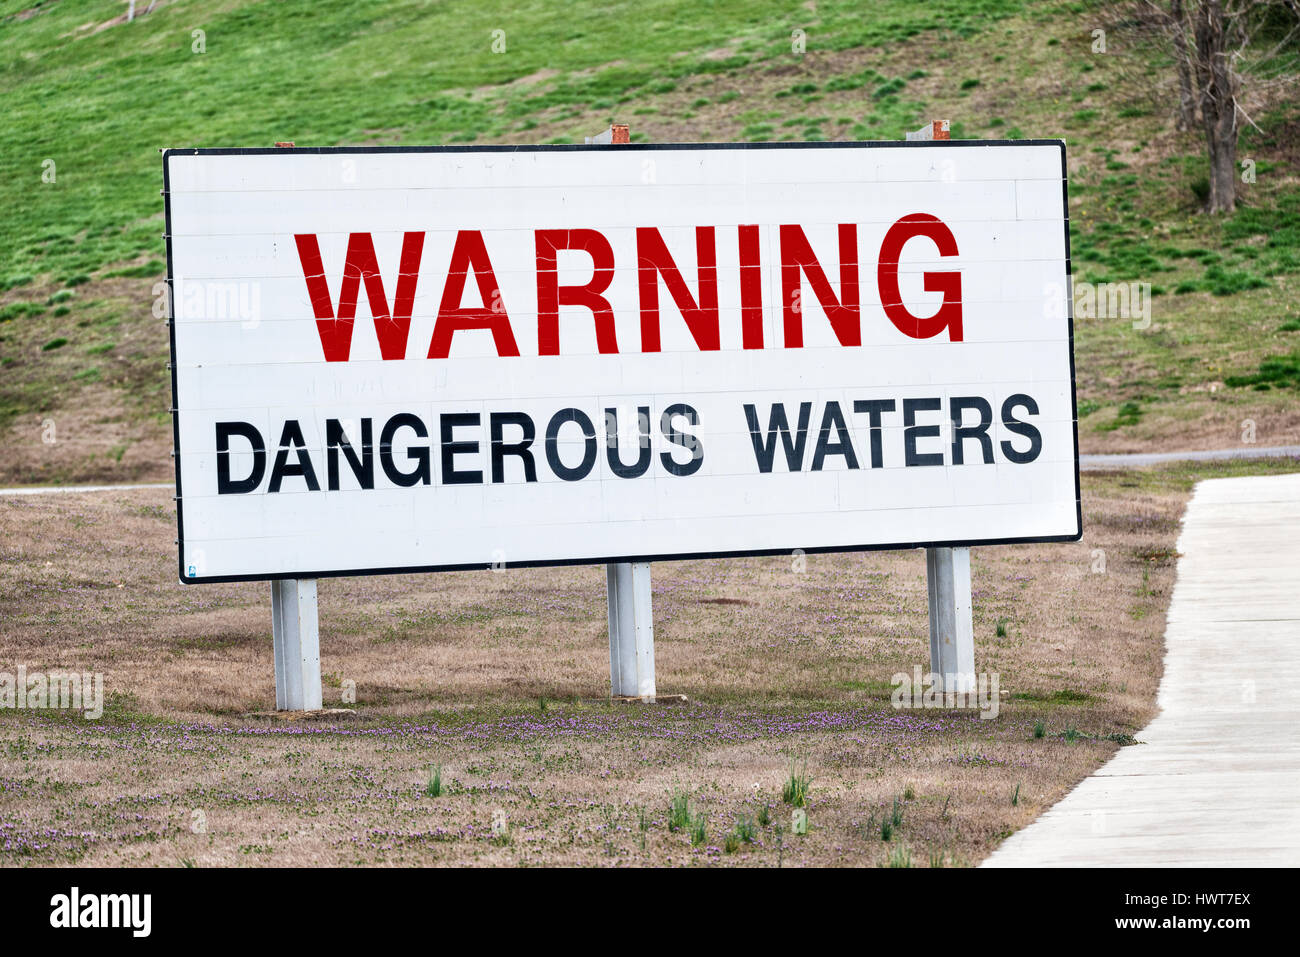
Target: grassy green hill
(89,99)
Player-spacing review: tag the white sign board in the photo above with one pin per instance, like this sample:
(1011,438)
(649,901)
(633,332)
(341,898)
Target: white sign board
(420,359)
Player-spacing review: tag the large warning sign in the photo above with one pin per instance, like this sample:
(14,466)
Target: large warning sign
(421,359)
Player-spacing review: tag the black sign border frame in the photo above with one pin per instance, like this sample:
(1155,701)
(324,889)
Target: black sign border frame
(167,154)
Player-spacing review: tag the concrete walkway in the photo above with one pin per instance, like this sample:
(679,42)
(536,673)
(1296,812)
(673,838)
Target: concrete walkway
(1217,779)
(69,489)
(1140,459)
(1086,463)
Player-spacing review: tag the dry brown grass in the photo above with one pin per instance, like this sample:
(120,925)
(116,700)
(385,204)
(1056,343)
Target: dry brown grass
(498,678)
(105,393)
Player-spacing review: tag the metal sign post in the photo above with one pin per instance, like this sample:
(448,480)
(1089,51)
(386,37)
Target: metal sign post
(947,571)
(952,634)
(627,584)
(631,630)
(295,629)
(295,636)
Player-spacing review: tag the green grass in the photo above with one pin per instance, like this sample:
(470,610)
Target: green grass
(1130,413)
(699,830)
(17,310)
(434,786)
(797,785)
(325,72)
(1182,476)
(679,811)
(329,72)
(744,832)
(1282,372)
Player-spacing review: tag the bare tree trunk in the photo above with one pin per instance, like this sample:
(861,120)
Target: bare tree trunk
(1182,56)
(1218,89)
